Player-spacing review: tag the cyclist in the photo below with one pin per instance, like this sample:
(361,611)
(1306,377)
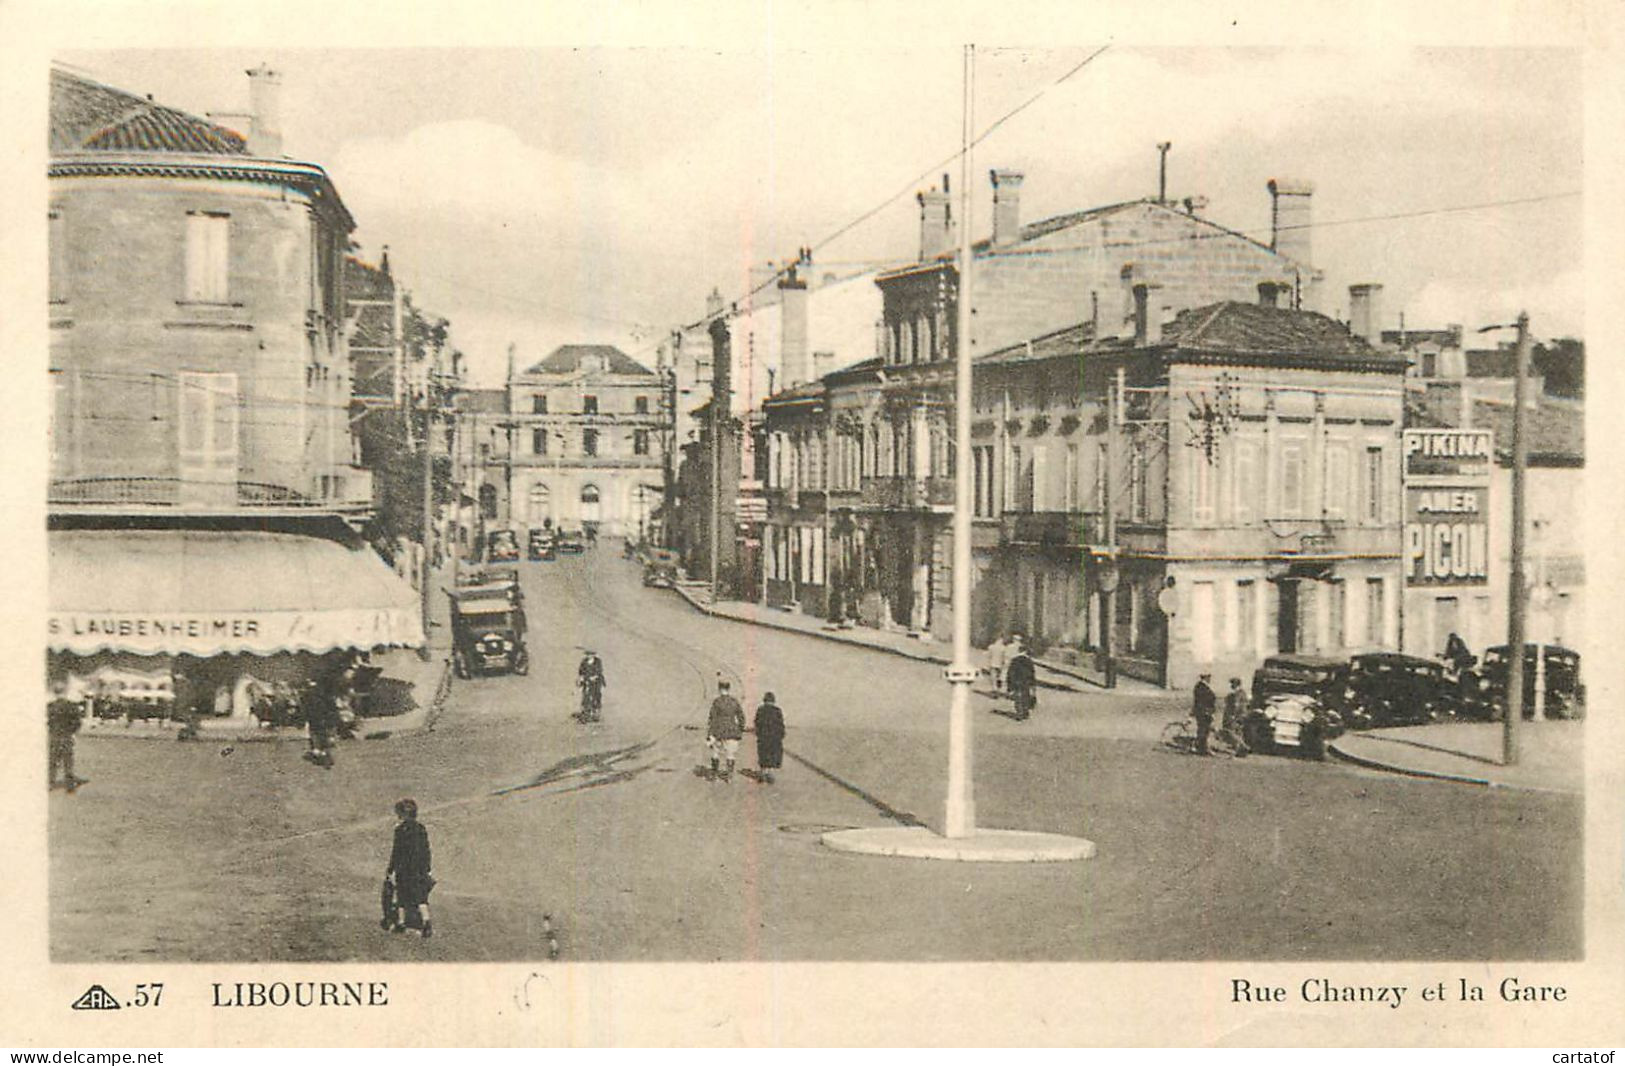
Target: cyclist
(590,678)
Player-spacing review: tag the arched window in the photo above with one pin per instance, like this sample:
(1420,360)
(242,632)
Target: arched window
(589,503)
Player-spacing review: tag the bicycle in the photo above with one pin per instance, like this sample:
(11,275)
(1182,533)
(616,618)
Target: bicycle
(1180,736)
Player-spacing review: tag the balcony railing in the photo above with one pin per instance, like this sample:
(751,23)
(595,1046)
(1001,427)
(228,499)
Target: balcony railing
(1067,529)
(908,493)
(350,493)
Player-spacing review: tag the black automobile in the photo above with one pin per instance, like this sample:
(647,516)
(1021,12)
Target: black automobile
(488,630)
(540,545)
(502,546)
(660,571)
(1484,690)
(1296,703)
(569,541)
(1390,689)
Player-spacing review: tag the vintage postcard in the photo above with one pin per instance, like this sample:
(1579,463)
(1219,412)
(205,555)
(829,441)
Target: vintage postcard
(733,525)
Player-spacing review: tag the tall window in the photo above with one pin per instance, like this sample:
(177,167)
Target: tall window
(1375,612)
(1373,484)
(208,426)
(538,404)
(983,467)
(1245,504)
(538,441)
(640,405)
(1070,501)
(1337,481)
(207,256)
(1013,476)
(1336,605)
(1139,492)
(640,442)
(589,405)
(1246,614)
(1037,480)
(589,442)
(1292,479)
(1203,479)
(57,235)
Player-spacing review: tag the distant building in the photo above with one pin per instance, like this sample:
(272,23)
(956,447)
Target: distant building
(581,442)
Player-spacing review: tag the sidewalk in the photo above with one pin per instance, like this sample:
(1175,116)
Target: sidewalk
(1551,754)
(1060,676)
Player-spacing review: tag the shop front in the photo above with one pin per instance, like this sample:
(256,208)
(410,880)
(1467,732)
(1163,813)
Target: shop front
(182,623)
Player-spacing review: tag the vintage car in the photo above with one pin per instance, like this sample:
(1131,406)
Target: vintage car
(1484,690)
(569,540)
(1295,721)
(502,546)
(540,545)
(1297,674)
(660,571)
(1389,689)
(488,629)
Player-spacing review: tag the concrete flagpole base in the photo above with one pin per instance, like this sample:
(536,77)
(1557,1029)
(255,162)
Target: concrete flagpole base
(984,845)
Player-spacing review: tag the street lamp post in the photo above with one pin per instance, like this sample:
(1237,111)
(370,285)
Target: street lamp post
(961,802)
(1516,592)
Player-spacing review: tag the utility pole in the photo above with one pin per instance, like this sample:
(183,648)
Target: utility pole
(1112,577)
(961,802)
(1516,592)
(424,564)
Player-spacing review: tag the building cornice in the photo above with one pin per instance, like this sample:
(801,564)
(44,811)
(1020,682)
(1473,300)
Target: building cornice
(305,176)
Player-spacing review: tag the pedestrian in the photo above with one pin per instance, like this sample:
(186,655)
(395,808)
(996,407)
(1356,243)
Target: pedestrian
(1203,704)
(1235,716)
(998,656)
(63,717)
(321,720)
(1021,678)
(769,738)
(410,872)
(726,726)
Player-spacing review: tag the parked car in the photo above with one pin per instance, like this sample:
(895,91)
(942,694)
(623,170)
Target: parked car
(541,545)
(502,546)
(488,629)
(1389,689)
(569,541)
(661,569)
(1297,674)
(1295,721)
(1484,690)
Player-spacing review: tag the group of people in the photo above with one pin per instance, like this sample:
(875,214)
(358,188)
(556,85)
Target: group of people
(1204,705)
(1012,671)
(726,726)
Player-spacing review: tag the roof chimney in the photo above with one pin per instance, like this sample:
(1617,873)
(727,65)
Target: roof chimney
(1269,293)
(1148,313)
(1365,312)
(936,223)
(1006,206)
(265,105)
(795,357)
(1290,219)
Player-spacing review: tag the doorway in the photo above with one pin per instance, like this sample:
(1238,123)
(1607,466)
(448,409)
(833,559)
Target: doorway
(1286,624)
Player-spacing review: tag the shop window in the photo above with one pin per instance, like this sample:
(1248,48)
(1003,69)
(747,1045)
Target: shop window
(1336,607)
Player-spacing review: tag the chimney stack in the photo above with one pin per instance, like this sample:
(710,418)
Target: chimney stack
(936,223)
(265,103)
(1365,312)
(1290,218)
(1006,206)
(1269,293)
(1148,313)
(795,355)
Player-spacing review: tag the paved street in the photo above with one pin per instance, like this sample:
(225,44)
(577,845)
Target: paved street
(189,853)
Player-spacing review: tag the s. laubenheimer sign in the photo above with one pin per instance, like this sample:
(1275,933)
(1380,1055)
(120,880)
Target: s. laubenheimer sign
(1447,488)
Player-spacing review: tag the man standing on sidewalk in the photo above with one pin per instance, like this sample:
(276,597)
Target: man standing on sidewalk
(63,717)
(1021,678)
(722,733)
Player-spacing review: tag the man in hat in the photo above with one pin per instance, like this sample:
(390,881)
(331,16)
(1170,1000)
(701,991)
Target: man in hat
(722,733)
(1203,704)
(62,717)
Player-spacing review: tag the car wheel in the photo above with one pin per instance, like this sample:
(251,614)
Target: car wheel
(1257,735)
(1313,744)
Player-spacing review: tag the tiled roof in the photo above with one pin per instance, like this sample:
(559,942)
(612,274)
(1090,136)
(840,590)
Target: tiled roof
(482,401)
(1239,328)
(1556,429)
(88,116)
(1068,340)
(566,359)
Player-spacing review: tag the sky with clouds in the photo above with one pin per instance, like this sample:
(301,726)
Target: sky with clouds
(549,196)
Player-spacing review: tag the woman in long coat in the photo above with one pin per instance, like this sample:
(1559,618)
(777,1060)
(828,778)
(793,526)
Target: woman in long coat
(769,737)
(409,866)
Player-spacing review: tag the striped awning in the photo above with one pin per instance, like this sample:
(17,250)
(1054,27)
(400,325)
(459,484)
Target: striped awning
(209,592)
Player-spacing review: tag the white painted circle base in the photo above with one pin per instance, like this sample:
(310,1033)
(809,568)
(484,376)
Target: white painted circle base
(985,845)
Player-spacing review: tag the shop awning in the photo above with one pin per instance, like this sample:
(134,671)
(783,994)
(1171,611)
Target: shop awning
(204,592)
